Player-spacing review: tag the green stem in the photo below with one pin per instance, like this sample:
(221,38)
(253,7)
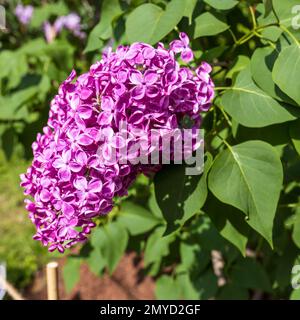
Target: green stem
(290,205)
(286,30)
(253,17)
(233,35)
(221,88)
(271,44)
(225,142)
(253,33)
(225,115)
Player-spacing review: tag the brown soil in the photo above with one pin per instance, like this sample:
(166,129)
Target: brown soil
(127,282)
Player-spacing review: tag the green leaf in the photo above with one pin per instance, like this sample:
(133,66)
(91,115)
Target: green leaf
(296,229)
(276,135)
(189,9)
(222,4)
(110,10)
(286,72)
(96,261)
(154,207)
(229,222)
(208,25)
(249,176)
(252,107)
(186,287)
(193,257)
(213,53)
(241,63)
(281,273)
(272,33)
(262,63)
(230,232)
(157,246)
(44,12)
(13,65)
(35,47)
(116,244)
(12,107)
(295,295)
(285,12)
(8,140)
(136,219)
(203,231)
(268,7)
(166,288)
(181,203)
(249,274)
(206,285)
(111,240)
(71,272)
(149,23)
(295,134)
(233,292)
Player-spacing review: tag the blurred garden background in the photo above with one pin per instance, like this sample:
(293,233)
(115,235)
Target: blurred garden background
(42,41)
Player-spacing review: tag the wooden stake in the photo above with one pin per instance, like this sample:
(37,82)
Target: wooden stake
(52,280)
(12,291)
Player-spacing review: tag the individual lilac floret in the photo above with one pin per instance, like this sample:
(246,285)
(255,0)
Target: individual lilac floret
(74,177)
(182,46)
(24,13)
(49,31)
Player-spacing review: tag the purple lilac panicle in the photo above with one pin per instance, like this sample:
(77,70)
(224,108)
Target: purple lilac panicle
(69,180)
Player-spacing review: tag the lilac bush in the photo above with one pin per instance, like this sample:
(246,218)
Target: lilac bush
(73,178)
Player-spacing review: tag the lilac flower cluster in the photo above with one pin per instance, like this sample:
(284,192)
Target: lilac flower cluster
(24,13)
(70,22)
(71,182)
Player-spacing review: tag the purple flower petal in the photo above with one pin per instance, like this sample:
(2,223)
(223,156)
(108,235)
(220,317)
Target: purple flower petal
(80,183)
(85,140)
(64,174)
(137,78)
(138,92)
(187,55)
(150,77)
(95,186)
(184,38)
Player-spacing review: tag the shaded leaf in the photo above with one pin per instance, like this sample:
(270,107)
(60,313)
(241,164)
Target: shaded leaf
(268,7)
(71,272)
(248,273)
(262,63)
(241,63)
(136,219)
(249,176)
(295,134)
(167,288)
(251,106)
(111,240)
(286,72)
(103,30)
(181,203)
(157,246)
(208,25)
(222,4)
(149,23)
